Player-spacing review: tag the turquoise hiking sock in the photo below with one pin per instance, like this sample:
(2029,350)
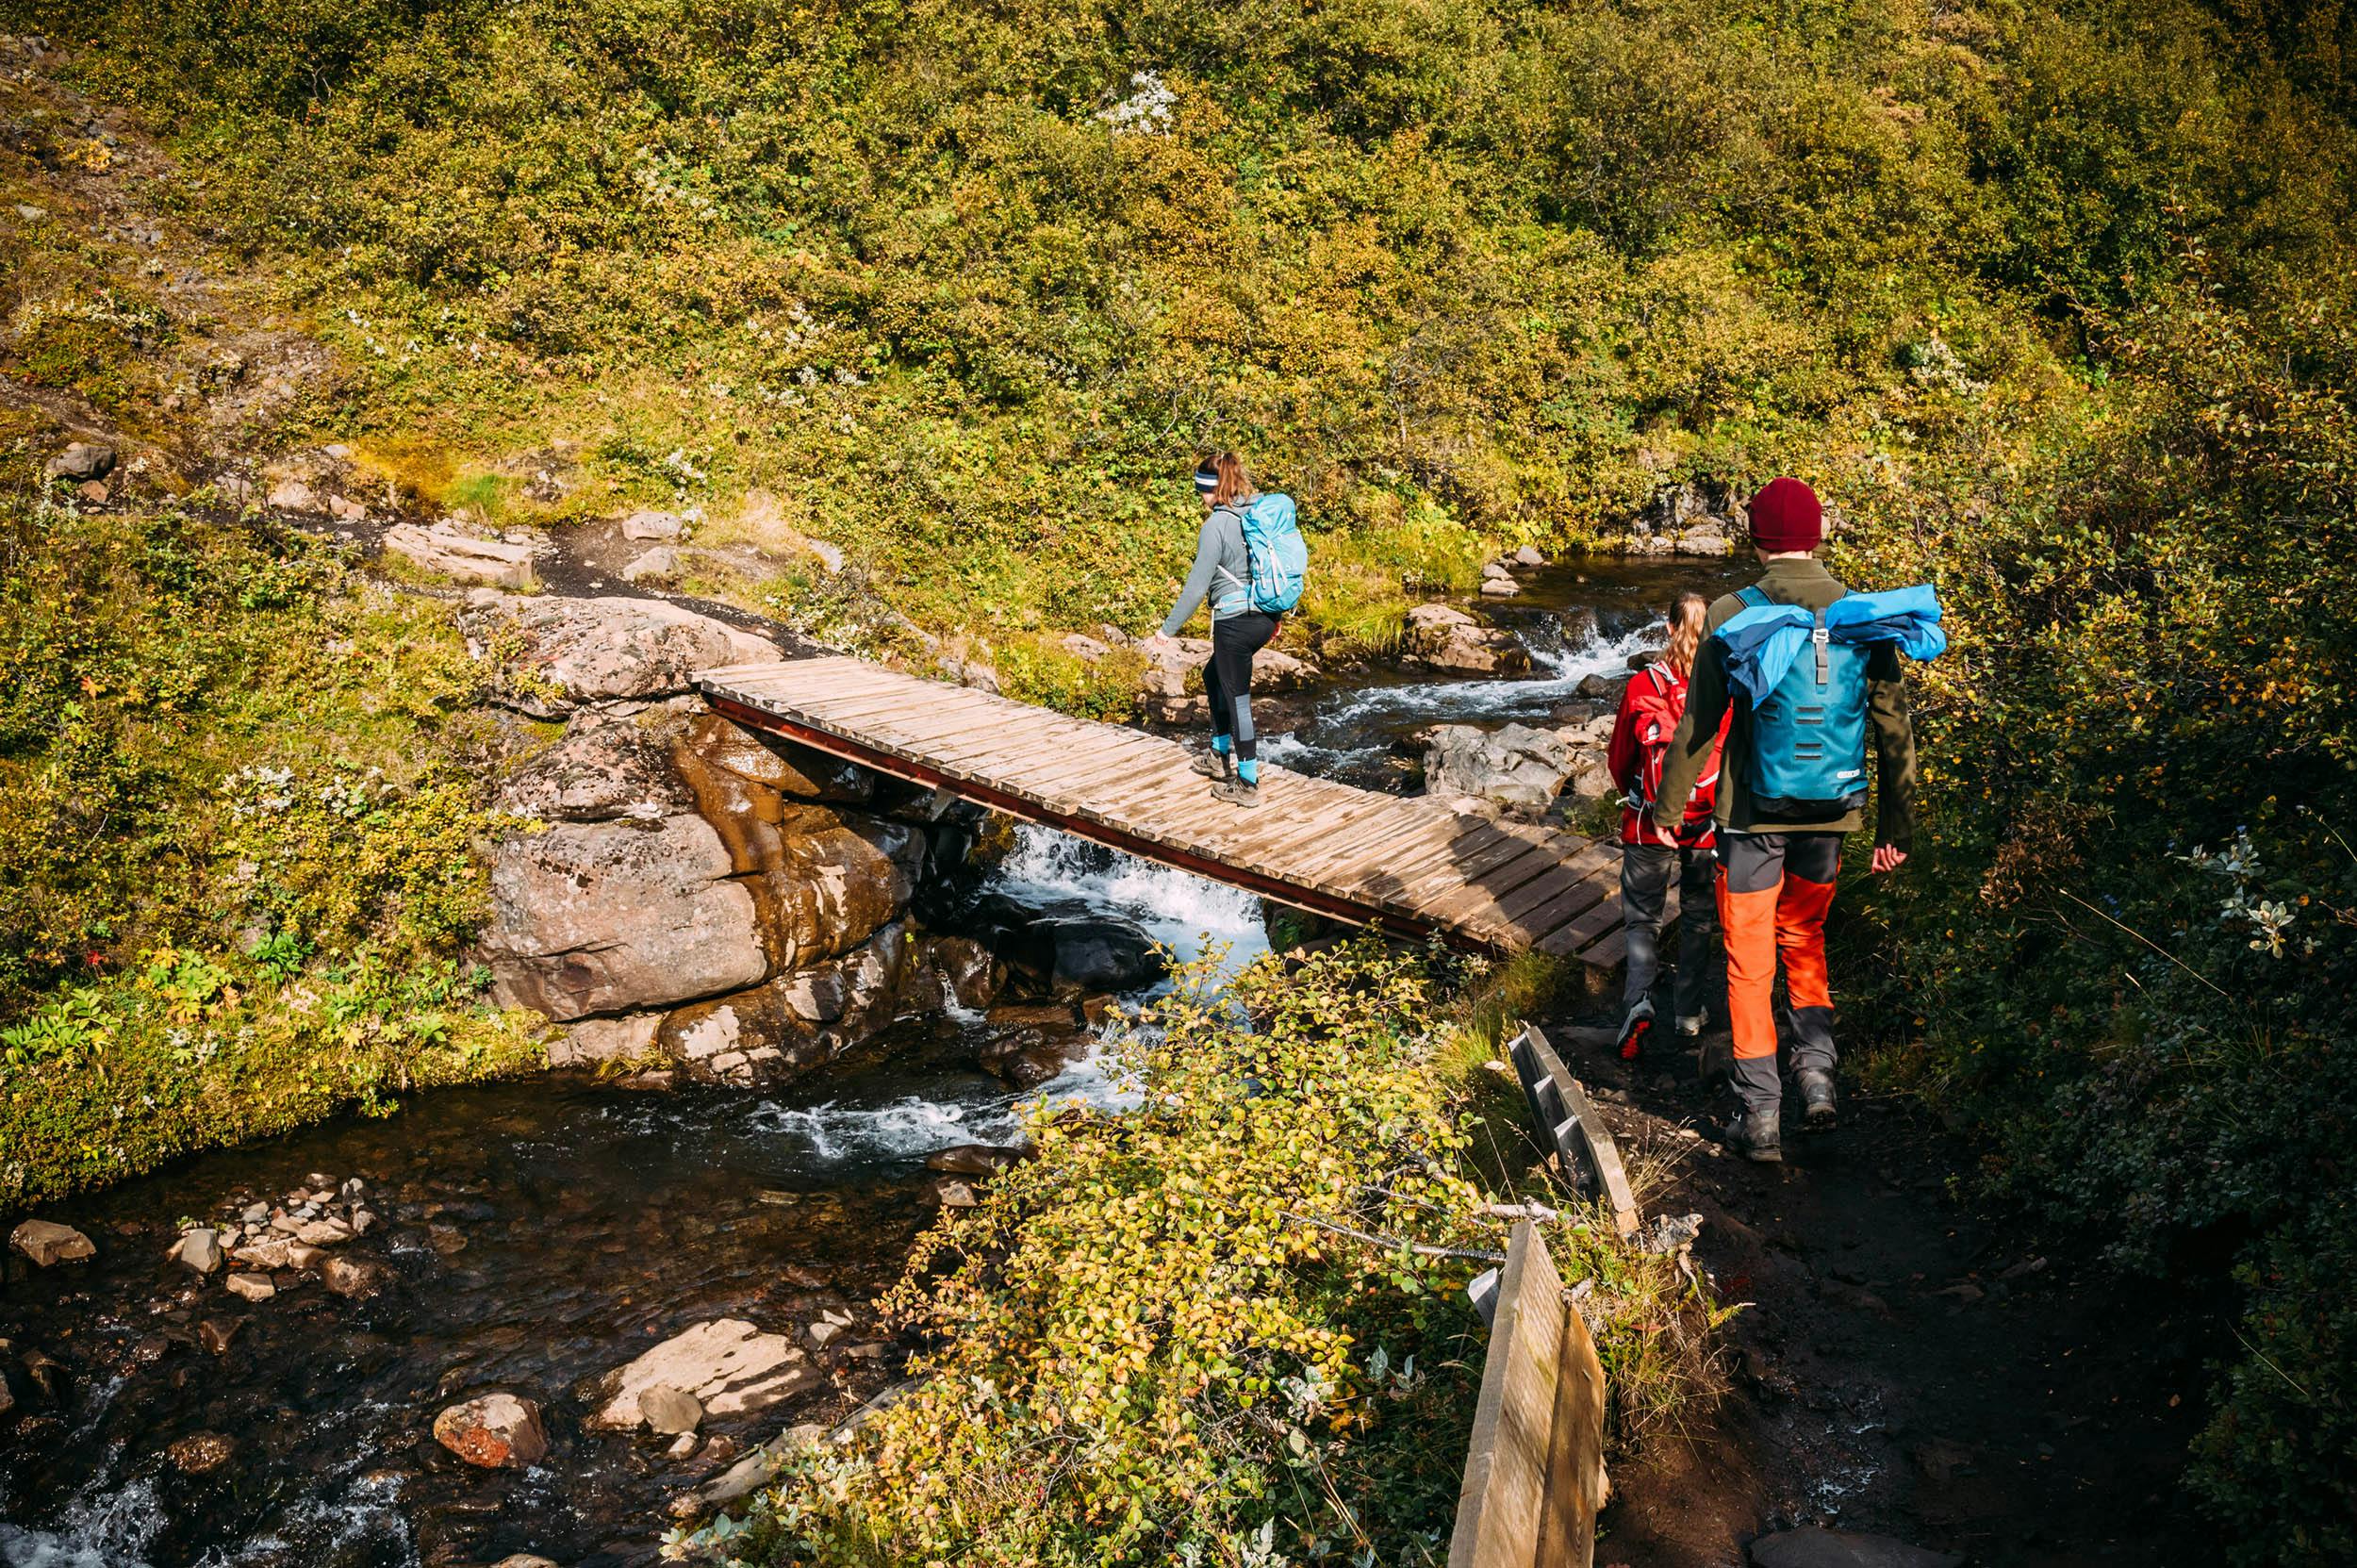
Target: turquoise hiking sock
(1223,744)
(1249,773)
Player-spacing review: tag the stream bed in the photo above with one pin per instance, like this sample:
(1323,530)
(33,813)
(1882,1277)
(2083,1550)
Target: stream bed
(534,1236)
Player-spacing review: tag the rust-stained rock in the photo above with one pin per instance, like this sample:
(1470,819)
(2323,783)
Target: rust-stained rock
(497,1431)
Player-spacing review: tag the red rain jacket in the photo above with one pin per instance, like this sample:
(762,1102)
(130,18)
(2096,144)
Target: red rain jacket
(1650,710)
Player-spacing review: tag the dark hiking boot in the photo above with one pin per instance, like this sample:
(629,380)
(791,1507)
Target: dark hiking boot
(1236,792)
(1754,1133)
(1817,1098)
(1216,765)
(1714,1060)
(1634,1028)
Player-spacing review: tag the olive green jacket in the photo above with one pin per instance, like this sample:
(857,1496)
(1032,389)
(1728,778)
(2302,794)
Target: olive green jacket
(1809,585)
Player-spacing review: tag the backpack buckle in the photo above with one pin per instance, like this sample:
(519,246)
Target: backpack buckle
(1820,636)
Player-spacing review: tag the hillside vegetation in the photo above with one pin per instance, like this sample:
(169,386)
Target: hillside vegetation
(2050,300)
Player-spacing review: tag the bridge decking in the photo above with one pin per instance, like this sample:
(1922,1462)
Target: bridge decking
(1413,866)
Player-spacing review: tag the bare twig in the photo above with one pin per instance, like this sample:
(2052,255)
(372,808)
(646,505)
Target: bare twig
(1392,1243)
(2147,941)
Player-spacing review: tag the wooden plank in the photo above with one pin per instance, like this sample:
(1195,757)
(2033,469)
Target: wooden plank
(1477,898)
(1480,848)
(1534,1471)
(1576,897)
(1588,861)
(1567,940)
(1110,780)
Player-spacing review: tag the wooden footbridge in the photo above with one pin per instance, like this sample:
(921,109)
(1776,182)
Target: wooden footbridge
(1411,866)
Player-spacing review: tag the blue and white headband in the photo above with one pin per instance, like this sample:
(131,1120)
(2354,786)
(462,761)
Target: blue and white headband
(1206,480)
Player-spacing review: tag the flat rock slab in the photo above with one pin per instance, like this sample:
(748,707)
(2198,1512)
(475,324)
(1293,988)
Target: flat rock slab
(728,1365)
(1822,1548)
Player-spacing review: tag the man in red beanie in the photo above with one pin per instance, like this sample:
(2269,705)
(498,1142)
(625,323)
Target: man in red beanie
(1776,875)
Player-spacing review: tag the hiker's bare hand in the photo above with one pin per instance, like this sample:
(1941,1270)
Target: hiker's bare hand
(1889,857)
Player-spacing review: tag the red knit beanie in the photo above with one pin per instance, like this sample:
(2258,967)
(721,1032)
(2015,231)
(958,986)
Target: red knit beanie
(1786,517)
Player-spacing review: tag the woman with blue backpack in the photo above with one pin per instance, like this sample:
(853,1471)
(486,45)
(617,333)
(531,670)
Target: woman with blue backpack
(1249,558)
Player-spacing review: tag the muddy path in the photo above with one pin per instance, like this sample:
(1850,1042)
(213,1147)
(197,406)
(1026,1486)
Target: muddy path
(1910,1365)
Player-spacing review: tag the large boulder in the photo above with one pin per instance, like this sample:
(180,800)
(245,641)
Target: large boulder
(776,764)
(1445,637)
(803,1017)
(605,766)
(556,653)
(1516,768)
(728,1366)
(1068,946)
(612,916)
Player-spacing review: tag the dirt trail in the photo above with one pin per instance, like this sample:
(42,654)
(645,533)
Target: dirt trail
(1910,1365)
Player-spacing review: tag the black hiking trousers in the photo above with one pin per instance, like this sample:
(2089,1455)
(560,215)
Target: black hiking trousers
(1227,679)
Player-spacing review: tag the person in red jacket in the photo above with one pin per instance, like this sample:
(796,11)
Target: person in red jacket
(1650,859)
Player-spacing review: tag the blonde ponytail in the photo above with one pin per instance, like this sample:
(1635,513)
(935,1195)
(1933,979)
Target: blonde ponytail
(1686,631)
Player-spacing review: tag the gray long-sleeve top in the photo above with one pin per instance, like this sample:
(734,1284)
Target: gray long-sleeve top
(1219,556)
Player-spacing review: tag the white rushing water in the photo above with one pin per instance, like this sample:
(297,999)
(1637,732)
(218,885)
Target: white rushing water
(1351,728)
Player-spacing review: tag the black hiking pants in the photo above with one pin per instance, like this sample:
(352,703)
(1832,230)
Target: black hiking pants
(1227,679)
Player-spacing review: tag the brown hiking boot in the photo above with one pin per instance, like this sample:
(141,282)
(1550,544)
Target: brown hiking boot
(1757,1134)
(1820,1113)
(1216,765)
(1236,792)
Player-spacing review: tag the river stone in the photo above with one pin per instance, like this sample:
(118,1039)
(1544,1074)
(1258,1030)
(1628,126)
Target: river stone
(1814,1547)
(216,1334)
(730,1367)
(660,565)
(1024,1058)
(945,972)
(1447,639)
(972,1159)
(323,1232)
(614,916)
(356,1278)
(199,1249)
(523,1559)
(572,651)
(201,1453)
(668,1411)
(496,1431)
(1517,766)
(48,1243)
(796,1021)
(835,885)
(272,1253)
(254,1287)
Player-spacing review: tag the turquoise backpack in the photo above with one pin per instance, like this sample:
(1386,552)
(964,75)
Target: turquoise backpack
(1279,556)
(1808,735)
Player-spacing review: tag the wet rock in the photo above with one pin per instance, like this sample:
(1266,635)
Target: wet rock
(611,917)
(1822,1548)
(972,1160)
(951,1193)
(201,1453)
(1068,946)
(948,972)
(47,1244)
(323,1232)
(82,460)
(561,651)
(356,1278)
(216,1334)
(1518,767)
(652,525)
(777,764)
(730,1367)
(670,1411)
(1499,588)
(1447,639)
(523,1559)
(1528,556)
(496,1431)
(447,553)
(199,1249)
(253,1287)
(1026,1058)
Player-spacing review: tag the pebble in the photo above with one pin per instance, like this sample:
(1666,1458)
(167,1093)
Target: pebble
(216,1333)
(199,1249)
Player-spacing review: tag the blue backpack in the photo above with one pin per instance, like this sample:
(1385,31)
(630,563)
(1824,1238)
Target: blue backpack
(1278,556)
(1808,732)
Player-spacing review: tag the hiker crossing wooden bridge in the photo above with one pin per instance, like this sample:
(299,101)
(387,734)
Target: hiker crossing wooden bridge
(1416,866)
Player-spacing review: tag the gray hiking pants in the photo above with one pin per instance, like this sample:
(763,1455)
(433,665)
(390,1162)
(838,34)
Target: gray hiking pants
(1646,873)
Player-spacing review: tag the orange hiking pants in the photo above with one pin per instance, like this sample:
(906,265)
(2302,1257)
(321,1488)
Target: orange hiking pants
(1773,891)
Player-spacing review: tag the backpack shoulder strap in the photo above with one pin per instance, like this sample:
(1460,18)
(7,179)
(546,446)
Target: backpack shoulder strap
(1754,595)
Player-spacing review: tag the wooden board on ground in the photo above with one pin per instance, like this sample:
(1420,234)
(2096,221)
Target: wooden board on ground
(1569,1124)
(1534,1471)
(1412,866)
